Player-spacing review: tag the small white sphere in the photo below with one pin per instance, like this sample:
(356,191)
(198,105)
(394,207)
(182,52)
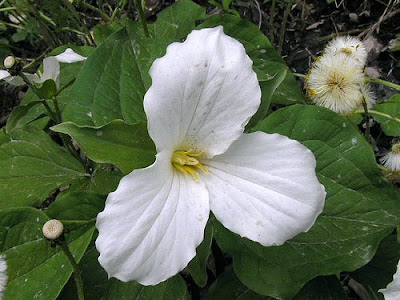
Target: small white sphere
(53,229)
(9,62)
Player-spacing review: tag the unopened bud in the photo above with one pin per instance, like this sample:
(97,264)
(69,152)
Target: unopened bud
(9,62)
(53,229)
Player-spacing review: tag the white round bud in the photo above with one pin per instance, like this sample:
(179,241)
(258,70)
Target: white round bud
(9,62)
(53,229)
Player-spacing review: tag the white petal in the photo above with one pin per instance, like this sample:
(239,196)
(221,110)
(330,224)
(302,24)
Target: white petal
(4,74)
(265,188)
(392,291)
(3,275)
(51,70)
(152,224)
(204,92)
(69,56)
(14,80)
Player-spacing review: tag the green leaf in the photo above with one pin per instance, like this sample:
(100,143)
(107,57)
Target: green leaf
(361,208)
(177,20)
(322,288)
(18,113)
(35,270)
(228,286)
(78,206)
(390,107)
(126,146)
(379,272)
(114,79)
(102,31)
(172,289)
(267,63)
(47,89)
(198,265)
(103,181)
(32,166)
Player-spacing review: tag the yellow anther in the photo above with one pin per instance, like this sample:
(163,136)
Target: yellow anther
(347,51)
(186,162)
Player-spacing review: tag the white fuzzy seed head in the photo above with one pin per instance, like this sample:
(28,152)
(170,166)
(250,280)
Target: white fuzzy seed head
(53,229)
(334,82)
(391,160)
(3,275)
(9,62)
(350,46)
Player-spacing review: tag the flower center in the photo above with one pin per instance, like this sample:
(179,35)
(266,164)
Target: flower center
(187,162)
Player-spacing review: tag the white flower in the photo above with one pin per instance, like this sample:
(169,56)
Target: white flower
(350,46)
(335,82)
(260,186)
(392,291)
(391,160)
(3,276)
(51,69)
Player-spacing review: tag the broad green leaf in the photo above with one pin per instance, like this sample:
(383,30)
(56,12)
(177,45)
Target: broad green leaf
(103,181)
(379,271)
(35,269)
(322,288)
(114,79)
(47,89)
(32,166)
(78,206)
(390,107)
(267,63)
(177,20)
(361,208)
(198,265)
(102,31)
(126,146)
(172,289)
(18,113)
(228,286)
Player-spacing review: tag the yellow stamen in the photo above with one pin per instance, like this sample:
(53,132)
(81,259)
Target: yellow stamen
(186,162)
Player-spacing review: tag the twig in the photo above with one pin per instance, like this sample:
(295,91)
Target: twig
(382,19)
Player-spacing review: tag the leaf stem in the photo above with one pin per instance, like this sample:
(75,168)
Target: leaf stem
(384,82)
(299,75)
(378,113)
(77,271)
(139,8)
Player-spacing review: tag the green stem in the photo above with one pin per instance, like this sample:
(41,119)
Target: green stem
(299,75)
(77,271)
(65,86)
(103,15)
(384,82)
(139,8)
(7,8)
(378,113)
(366,120)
